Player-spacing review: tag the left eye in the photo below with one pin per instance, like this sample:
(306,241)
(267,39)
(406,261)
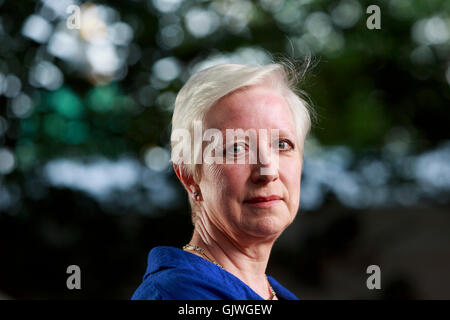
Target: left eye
(283,145)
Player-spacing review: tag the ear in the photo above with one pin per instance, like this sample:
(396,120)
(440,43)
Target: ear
(187,180)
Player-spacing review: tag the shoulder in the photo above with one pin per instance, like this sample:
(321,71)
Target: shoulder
(180,284)
(179,275)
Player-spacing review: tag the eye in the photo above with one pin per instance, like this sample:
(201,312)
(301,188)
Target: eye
(285,145)
(236,149)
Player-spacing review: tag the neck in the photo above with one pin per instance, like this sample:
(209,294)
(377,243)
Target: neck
(247,260)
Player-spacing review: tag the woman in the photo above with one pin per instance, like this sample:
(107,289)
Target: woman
(239,208)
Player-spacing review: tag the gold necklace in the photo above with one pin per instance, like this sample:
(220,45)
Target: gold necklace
(202,252)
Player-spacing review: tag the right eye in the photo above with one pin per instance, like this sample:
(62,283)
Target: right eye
(236,149)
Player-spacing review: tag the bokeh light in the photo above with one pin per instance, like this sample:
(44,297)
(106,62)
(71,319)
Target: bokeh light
(85,127)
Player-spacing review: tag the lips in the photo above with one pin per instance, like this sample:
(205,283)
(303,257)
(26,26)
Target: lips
(263,199)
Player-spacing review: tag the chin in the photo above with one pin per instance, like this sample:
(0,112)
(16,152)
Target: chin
(270,226)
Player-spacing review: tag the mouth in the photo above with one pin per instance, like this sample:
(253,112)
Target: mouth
(264,202)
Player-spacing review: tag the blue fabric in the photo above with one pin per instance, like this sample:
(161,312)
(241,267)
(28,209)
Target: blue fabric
(174,274)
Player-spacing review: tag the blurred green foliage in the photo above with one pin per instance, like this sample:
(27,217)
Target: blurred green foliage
(108,90)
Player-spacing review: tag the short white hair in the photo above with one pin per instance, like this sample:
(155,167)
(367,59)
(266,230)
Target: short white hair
(206,87)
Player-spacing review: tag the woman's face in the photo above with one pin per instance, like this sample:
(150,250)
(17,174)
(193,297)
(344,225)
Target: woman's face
(230,191)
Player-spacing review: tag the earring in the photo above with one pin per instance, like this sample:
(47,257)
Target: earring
(196,195)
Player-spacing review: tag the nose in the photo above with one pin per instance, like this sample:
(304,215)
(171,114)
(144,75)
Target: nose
(266,170)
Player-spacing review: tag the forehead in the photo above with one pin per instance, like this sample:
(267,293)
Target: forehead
(256,107)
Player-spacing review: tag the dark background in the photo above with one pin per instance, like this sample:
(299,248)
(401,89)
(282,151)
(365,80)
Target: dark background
(84,141)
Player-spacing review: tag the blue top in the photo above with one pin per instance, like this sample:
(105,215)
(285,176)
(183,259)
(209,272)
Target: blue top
(174,274)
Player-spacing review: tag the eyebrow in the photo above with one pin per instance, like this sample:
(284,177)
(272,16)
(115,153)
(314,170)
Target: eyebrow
(281,133)
(286,133)
(281,130)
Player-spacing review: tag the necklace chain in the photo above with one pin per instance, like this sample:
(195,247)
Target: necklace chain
(202,252)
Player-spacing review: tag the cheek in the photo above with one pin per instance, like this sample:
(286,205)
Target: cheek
(223,181)
(212,173)
(212,182)
(292,177)
(235,177)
